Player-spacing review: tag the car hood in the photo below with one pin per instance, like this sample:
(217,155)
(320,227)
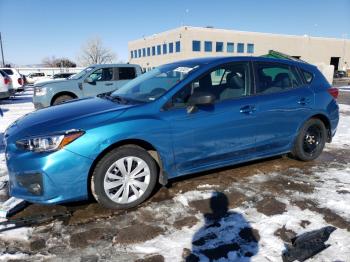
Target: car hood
(53,82)
(75,114)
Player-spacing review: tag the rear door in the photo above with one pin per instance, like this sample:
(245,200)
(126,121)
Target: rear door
(124,75)
(103,82)
(284,102)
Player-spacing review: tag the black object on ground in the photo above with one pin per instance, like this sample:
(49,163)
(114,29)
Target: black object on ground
(31,221)
(307,245)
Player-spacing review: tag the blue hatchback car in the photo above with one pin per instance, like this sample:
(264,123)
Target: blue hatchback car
(177,119)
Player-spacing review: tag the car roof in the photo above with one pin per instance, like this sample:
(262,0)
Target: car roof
(215,60)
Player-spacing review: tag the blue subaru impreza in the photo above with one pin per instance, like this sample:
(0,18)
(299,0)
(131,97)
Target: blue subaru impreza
(177,119)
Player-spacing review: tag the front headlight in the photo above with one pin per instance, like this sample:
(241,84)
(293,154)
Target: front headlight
(40,91)
(50,142)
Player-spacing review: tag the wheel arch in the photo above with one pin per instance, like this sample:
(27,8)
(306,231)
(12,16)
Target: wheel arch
(62,93)
(163,177)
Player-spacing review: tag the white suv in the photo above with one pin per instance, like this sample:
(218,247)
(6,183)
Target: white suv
(16,77)
(6,89)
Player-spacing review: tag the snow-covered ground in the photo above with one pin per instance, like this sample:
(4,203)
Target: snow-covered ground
(267,202)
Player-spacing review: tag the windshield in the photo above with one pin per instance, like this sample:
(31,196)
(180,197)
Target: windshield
(153,84)
(81,73)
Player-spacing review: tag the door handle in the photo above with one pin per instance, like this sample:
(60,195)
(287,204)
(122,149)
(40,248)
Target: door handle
(108,84)
(303,101)
(249,109)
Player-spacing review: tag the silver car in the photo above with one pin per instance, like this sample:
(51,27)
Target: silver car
(91,81)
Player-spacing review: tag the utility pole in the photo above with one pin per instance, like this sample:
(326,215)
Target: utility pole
(2,52)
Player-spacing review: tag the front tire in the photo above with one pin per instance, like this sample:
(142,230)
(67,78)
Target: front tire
(61,99)
(310,141)
(124,178)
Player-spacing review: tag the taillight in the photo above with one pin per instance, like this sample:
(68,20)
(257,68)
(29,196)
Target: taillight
(333,92)
(20,81)
(7,80)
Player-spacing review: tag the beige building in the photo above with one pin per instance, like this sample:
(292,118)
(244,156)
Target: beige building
(190,42)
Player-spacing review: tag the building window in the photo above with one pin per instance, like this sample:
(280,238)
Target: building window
(143,51)
(153,50)
(240,48)
(250,48)
(219,46)
(165,49)
(208,46)
(159,50)
(171,48)
(139,53)
(196,46)
(230,47)
(148,51)
(132,54)
(135,53)
(177,46)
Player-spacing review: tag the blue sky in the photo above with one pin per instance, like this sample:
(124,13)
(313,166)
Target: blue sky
(34,29)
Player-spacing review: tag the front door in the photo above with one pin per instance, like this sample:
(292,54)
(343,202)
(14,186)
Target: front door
(217,134)
(102,82)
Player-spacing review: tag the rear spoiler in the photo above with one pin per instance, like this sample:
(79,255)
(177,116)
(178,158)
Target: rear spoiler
(279,55)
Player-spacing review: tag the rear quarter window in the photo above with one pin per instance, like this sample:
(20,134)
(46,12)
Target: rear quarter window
(307,76)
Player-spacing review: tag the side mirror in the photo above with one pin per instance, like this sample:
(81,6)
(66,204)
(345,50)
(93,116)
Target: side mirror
(198,99)
(90,81)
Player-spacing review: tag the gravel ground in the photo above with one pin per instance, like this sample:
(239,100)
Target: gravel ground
(242,213)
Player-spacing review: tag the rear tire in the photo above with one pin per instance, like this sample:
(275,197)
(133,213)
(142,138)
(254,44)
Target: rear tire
(62,98)
(124,178)
(310,141)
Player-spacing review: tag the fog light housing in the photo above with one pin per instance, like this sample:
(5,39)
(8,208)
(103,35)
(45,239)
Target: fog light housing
(32,182)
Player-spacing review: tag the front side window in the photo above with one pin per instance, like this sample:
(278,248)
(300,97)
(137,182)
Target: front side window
(126,73)
(219,46)
(196,46)
(177,47)
(240,48)
(171,48)
(250,48)
(224,83)
(102,74)
(153,84)
(274,78)
(230,47)
(208,46)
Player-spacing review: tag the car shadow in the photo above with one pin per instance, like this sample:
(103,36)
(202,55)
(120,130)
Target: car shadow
(225,235)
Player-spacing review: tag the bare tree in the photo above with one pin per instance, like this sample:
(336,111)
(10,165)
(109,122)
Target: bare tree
(93,52)
(49,61)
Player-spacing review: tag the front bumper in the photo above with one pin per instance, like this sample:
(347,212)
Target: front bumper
(5,94)
(40,101)
(47,178)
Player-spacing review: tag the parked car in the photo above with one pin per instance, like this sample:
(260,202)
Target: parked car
(57,76)
(91,81)
(177,119)
(33,77)
(6,88)
(340,74)
(16,77)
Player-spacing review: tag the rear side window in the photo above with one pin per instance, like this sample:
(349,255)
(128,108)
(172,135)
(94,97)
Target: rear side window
(307,76)
(126,73)
(8,71)
(274,78)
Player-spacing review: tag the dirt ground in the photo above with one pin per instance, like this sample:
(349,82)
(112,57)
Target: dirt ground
(93,233)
